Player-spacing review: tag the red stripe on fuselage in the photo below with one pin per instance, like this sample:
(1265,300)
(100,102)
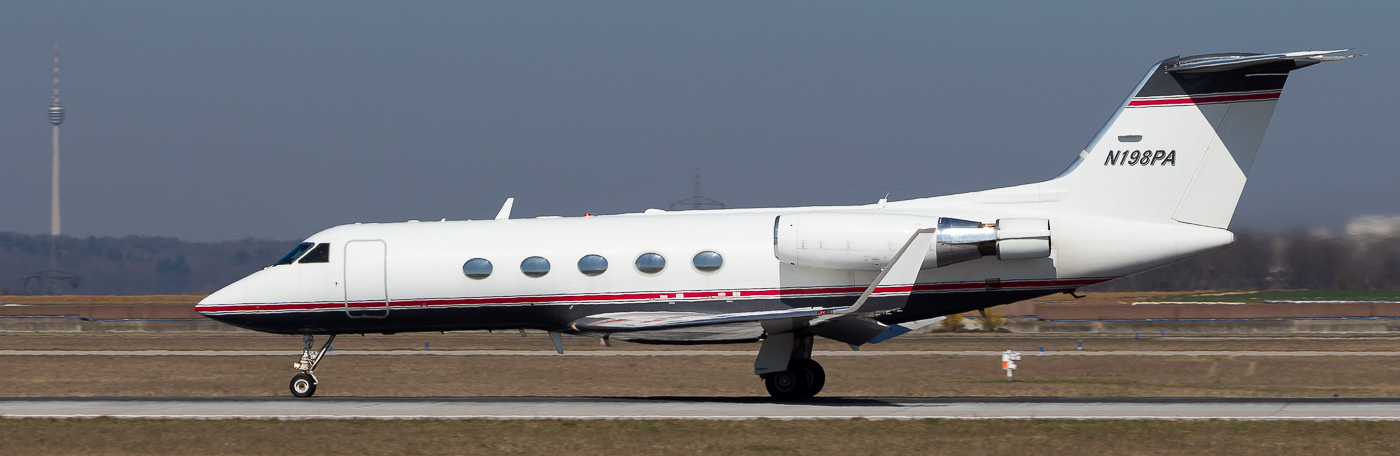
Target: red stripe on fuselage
(635,297)
(1202,99)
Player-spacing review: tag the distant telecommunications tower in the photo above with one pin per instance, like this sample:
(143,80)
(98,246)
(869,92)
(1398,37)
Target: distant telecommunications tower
(55,118)
(697,201)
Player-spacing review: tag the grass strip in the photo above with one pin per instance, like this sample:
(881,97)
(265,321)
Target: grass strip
(765,437)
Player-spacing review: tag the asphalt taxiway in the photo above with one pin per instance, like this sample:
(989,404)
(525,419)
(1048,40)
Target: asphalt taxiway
(572,408)
(648,353)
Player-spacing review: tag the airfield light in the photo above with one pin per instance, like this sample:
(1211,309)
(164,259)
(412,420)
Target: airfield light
(1008,362)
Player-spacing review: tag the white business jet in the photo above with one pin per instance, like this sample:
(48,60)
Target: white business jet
(1158,184)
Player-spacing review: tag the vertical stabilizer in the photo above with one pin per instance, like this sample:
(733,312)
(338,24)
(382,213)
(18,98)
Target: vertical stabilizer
(1181,147)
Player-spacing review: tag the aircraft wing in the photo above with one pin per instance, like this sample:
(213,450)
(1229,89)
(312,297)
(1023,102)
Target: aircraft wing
(642,321)
(847,324)
(680,327)
(688,327)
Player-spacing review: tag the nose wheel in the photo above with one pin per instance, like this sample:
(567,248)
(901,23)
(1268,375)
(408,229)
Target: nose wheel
(304,383)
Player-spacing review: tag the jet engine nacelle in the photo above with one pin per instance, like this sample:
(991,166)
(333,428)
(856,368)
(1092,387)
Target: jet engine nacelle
(844,240)
(864,241)
(1008,239)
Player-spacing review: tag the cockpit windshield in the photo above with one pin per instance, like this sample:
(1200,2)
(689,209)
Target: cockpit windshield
(295,253)
(320,254)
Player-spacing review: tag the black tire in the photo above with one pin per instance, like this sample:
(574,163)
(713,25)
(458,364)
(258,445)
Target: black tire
(303,385)
(811,375)
(783,385)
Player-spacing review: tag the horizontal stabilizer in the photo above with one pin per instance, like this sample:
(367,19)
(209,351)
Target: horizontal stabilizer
(1213,63)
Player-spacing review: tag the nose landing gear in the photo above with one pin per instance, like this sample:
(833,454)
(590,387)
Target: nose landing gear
(304,383)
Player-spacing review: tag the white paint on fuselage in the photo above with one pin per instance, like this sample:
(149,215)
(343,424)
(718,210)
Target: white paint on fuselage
(424,259)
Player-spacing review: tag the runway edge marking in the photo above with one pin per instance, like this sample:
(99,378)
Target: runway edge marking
(703,418)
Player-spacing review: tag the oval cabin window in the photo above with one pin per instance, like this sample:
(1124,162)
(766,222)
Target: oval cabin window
(477,268)
(535,266)
(592,265)
(708,261)
(651,263)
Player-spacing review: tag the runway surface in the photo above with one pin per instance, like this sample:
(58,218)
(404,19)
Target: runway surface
(534,408)
(292,353)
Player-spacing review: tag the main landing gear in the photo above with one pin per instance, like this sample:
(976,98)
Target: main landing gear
(803,378)
(785,364)
(304,383)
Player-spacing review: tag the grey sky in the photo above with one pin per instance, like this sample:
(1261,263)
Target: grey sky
(219,120)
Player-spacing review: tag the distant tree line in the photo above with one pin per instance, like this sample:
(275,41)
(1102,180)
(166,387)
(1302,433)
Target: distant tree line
(161,265)
(1265,261)
(131,264)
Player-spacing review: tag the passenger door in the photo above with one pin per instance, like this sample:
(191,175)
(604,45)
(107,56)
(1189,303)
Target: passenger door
(366,295)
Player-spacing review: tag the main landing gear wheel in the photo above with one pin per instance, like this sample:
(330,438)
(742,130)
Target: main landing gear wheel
(803,379)
(303,385)
(812,375)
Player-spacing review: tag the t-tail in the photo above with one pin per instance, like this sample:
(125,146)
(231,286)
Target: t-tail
(1180,148)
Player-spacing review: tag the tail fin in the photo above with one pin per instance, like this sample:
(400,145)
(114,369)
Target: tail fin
(1181,147)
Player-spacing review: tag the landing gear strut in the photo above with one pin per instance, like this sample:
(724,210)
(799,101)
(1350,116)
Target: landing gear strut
(304,383)
(786,367)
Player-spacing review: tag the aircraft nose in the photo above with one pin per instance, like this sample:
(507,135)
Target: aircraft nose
(231,295)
